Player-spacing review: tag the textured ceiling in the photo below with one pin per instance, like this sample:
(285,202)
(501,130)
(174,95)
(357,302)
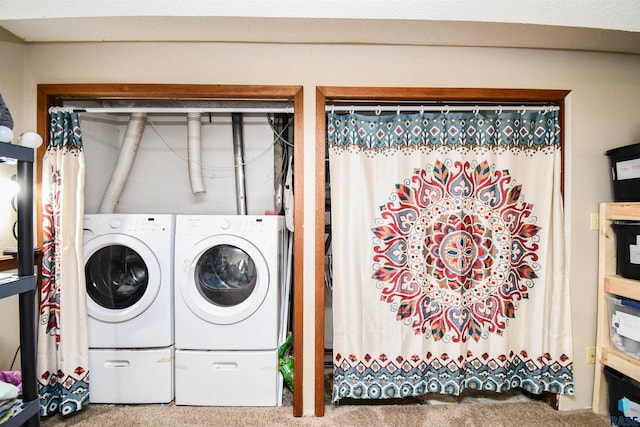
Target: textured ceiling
(596,25)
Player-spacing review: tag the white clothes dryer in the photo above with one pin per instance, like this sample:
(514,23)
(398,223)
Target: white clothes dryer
(128,265)
(228,278)
(228,275)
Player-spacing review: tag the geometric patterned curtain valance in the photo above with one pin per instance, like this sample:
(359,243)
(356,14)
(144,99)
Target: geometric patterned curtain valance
(529,131)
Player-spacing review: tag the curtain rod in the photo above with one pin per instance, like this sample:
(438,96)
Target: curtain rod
(173,110)
(440,108)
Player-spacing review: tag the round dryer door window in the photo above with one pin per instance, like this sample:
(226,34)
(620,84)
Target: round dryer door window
(226,275)
(122,277)
(226,279)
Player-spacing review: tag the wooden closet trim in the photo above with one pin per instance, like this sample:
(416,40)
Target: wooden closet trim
(50,95)
(326,94)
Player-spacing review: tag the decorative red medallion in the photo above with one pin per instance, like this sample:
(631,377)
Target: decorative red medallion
(456,250)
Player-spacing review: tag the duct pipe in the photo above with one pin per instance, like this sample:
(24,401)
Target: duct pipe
(194,153)
(238,156)
(128,152)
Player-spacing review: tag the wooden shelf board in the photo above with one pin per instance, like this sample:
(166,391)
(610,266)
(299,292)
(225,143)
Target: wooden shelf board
(621,362)
(622,211)
(620,286)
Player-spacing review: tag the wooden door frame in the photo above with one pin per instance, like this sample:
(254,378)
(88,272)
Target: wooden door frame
(50,95)
(440,96)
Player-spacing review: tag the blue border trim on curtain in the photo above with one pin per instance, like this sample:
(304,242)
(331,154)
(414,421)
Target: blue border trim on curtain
(389,378)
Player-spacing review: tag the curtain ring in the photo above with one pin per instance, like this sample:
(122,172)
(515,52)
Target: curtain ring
(476,110)
(499,110)
(524,110)
(422,110)
(398,111)
(352,110)
(445,111)
(333,108)
(378,111)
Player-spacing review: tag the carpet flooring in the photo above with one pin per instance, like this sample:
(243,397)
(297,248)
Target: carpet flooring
(472,411)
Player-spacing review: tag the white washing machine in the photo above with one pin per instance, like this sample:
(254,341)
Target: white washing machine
(228,278)
(128,263)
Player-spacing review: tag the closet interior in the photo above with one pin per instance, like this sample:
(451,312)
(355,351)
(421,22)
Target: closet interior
(194,154)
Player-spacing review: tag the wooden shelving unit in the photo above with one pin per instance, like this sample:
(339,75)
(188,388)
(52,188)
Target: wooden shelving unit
(609,283)
(24,285)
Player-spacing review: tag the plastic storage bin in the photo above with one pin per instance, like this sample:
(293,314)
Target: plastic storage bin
(624,315)
(625,172)
(624,395)
(627,248)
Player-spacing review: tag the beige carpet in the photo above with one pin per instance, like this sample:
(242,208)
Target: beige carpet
(521,414)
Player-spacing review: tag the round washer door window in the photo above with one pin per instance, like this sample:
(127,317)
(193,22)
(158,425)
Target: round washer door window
(122,277)
(116,277)
(226,281)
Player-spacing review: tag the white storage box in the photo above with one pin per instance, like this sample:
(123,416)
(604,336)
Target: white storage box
(131,376)
(227,378)
(624,317)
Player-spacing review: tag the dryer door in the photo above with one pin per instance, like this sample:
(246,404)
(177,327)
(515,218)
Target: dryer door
(227,279)
(122,277)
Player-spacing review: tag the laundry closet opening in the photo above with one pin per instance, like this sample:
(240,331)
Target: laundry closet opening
(359,129)
(213,168)
(215,158)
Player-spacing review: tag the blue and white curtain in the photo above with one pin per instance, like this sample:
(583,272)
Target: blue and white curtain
(448,254)
(63,360)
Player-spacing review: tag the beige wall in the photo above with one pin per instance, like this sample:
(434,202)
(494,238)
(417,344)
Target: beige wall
(12,56)
(603,113)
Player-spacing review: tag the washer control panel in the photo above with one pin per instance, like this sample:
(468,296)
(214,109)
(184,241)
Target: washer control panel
(137,224)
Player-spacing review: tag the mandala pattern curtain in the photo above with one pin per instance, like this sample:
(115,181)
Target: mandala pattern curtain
(448,254)
(63,368)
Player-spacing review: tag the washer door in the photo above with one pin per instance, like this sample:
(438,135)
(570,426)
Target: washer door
(122,277)
(227,279)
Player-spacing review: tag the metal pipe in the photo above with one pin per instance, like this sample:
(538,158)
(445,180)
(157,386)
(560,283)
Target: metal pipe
(238,156)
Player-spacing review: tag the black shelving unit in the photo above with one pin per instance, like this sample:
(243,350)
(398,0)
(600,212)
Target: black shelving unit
(24,285)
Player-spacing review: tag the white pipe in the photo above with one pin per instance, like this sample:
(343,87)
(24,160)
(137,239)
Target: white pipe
(194,153)
(441,108)
(128,152)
